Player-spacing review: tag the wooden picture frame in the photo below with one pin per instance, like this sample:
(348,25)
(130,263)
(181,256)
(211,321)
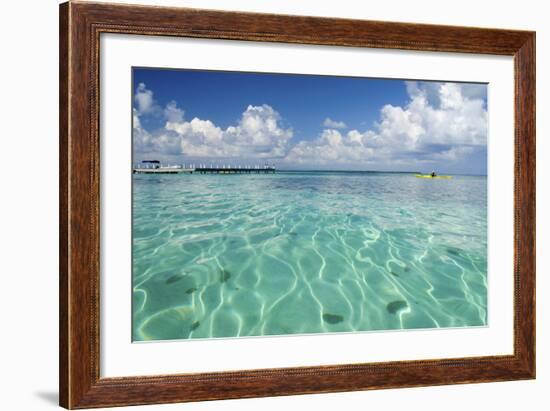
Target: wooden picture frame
(80,27)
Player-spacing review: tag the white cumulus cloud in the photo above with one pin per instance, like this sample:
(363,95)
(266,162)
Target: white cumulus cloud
(257,134)
(329,123)
(331,147)
(141,137)
(144,99)
(441,121)
(172,113)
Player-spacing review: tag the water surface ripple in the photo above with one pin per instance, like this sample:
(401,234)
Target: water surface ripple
(306,252)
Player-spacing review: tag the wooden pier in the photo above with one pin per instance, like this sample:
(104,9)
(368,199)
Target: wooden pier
(202,169)
(235,170)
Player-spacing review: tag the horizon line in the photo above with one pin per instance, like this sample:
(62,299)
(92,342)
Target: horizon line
(374,171)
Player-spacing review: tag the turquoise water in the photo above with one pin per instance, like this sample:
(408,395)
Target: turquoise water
(306,252)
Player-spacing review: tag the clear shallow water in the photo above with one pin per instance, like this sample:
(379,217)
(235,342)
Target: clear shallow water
(312,252)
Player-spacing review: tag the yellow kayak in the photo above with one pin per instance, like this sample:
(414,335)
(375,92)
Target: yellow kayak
(430,176)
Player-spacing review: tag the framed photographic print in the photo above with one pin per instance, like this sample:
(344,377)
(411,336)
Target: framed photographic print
(257,205)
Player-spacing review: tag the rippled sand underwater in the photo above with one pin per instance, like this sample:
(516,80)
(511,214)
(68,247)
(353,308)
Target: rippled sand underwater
(293,253)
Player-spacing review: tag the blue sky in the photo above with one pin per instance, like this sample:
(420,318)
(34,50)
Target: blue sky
(309,122)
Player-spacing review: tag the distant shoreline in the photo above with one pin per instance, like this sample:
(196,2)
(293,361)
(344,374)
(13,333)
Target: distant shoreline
(374,172)
(351,172)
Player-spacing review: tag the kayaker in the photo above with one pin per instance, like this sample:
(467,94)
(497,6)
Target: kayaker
(433,174)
